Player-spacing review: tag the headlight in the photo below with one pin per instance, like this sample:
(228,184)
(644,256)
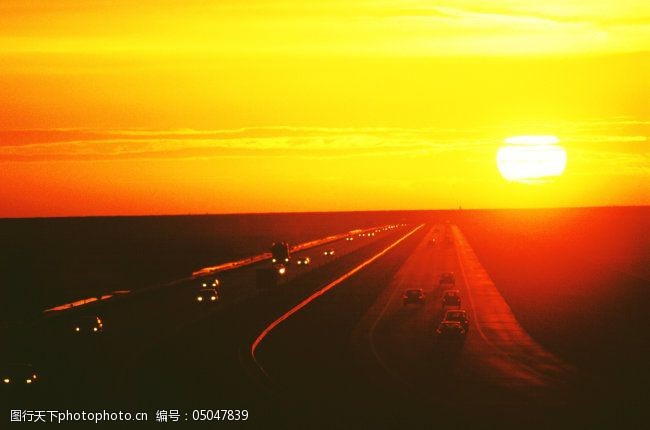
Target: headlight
(29,381)
(94,328)
(273,260)
(77,329)
(6,380)
(199,298)
(213,298)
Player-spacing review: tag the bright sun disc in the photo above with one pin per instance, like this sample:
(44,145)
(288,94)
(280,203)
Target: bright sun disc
(531,159)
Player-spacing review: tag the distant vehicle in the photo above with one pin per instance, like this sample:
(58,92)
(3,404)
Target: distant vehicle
(303,261)
(447,278)
(328,252)
(451,298)
(349,238)
(267,278)
(214,284)
(18,374)
(207,295)
(459,316)
(432,242)
(280,253)
(413,295)
(450,330)
(88,324)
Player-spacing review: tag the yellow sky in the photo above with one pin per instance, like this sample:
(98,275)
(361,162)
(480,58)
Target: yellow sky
(182,107)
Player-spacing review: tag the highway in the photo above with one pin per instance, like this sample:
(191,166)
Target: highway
(334,344)
(390,348)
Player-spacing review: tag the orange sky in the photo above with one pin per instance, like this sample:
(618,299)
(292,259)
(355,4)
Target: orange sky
(119,107)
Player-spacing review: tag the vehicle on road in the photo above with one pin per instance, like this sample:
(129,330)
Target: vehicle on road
(349,238)
(450,330)
(207,295)
(413,295)
(303,261)
(432,242)
(451,298)
(447,278)
(18,374)
(280,253)
(88,324)
(328,252)
(214,284)
(459,316)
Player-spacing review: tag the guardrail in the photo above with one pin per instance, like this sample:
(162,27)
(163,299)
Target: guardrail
(211,270)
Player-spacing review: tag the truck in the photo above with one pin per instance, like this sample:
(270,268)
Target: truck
(280,253)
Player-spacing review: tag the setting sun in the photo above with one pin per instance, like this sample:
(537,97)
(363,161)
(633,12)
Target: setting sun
(531,159)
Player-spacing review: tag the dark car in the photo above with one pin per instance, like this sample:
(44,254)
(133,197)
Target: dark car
(413,295)
(447,278)
(451,298)
(18,374)
(207,295)
(303,261)
(88,324)
(450,330)
(214,284)
(459,316)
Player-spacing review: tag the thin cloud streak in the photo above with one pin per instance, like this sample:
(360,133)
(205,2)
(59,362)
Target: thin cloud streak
(592,153)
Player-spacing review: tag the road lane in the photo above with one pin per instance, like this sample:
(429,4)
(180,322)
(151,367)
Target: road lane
(205,357)
(107,364)
(497,353)
(518,357)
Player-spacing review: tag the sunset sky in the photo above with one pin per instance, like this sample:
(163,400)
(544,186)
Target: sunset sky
(173,107)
